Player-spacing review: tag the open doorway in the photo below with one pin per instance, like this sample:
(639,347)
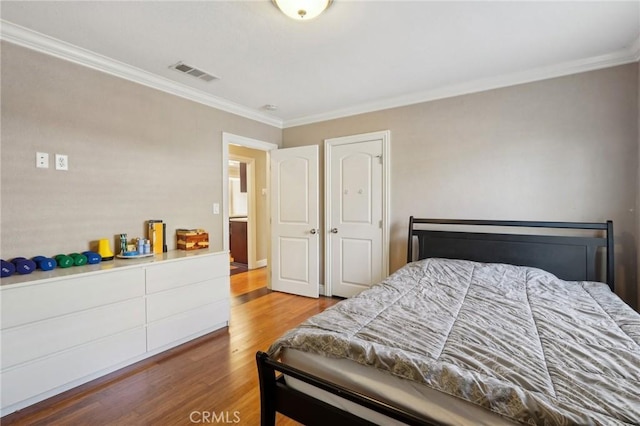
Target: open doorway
(241,191)
(245,168)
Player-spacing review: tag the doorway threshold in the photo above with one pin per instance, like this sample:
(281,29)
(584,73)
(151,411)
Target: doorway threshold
(237,268)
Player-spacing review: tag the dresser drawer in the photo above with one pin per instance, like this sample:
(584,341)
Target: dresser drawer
(181,299)
(36,302)
(184,272)
(182,327)
(28,342)
(46,374)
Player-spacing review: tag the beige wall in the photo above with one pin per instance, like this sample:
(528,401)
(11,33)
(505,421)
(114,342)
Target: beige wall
(135,153)
(262,217)
(638,198)
(562,149)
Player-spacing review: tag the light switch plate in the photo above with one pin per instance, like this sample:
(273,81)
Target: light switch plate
(42,160)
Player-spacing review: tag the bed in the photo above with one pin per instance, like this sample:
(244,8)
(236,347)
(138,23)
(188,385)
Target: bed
(478,328)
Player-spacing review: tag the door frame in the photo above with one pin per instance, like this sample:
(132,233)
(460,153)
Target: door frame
(385,135)
(231,139)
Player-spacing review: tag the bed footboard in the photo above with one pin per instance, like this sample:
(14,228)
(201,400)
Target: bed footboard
(277,396)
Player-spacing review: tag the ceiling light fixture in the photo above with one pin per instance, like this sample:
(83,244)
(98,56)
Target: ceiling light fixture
(302,10)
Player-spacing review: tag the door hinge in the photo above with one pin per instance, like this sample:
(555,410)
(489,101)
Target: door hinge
(380,224)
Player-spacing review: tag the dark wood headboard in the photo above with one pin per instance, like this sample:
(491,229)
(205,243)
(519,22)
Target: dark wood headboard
(571,258)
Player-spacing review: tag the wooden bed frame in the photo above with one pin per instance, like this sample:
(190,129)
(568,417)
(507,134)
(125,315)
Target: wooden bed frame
(572,258)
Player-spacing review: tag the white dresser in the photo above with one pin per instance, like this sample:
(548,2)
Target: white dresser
(68,326)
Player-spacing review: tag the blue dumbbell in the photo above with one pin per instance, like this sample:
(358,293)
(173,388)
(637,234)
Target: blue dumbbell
(92,257)
(24,266)
(6,268)
(45,263)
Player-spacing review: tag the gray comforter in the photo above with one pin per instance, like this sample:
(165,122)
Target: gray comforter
(515,340)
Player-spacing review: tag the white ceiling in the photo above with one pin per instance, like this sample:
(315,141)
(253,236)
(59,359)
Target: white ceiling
(358,56)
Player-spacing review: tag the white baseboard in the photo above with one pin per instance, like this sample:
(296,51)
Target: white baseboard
(261,263)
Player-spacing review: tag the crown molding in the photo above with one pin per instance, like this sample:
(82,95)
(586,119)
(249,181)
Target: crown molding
(42,43)
(624,56)
(33,40)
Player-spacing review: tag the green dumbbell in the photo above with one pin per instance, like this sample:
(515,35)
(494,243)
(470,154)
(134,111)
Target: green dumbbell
(78,259)
(64,261)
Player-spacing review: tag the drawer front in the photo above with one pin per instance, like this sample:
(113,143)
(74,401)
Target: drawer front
(41,301)
(185,271)
(182,299)
(28,342)
(30,380)
(179,327)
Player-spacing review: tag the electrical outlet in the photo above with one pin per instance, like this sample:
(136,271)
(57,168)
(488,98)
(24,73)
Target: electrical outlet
(216,208)
(42,160)
(62,162)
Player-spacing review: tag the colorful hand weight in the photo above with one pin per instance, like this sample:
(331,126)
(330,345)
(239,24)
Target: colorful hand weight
(78,259)
(64,261)
(6,268)
(92,257)
(45,263)
(24,266)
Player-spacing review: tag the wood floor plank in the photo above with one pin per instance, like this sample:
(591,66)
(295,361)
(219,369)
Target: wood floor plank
(212,376)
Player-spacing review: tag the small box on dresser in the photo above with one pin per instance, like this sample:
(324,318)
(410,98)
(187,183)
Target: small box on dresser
(192,239)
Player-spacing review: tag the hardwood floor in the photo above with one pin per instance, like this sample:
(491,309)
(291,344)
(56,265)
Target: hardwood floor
(212,380)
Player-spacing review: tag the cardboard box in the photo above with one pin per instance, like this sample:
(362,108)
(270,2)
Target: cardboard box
(192,239)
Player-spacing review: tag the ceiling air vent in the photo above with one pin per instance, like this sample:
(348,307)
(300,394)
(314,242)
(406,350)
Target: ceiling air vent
(194,72)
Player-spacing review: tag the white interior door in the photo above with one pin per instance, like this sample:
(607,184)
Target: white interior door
(355,210)
(295,245)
